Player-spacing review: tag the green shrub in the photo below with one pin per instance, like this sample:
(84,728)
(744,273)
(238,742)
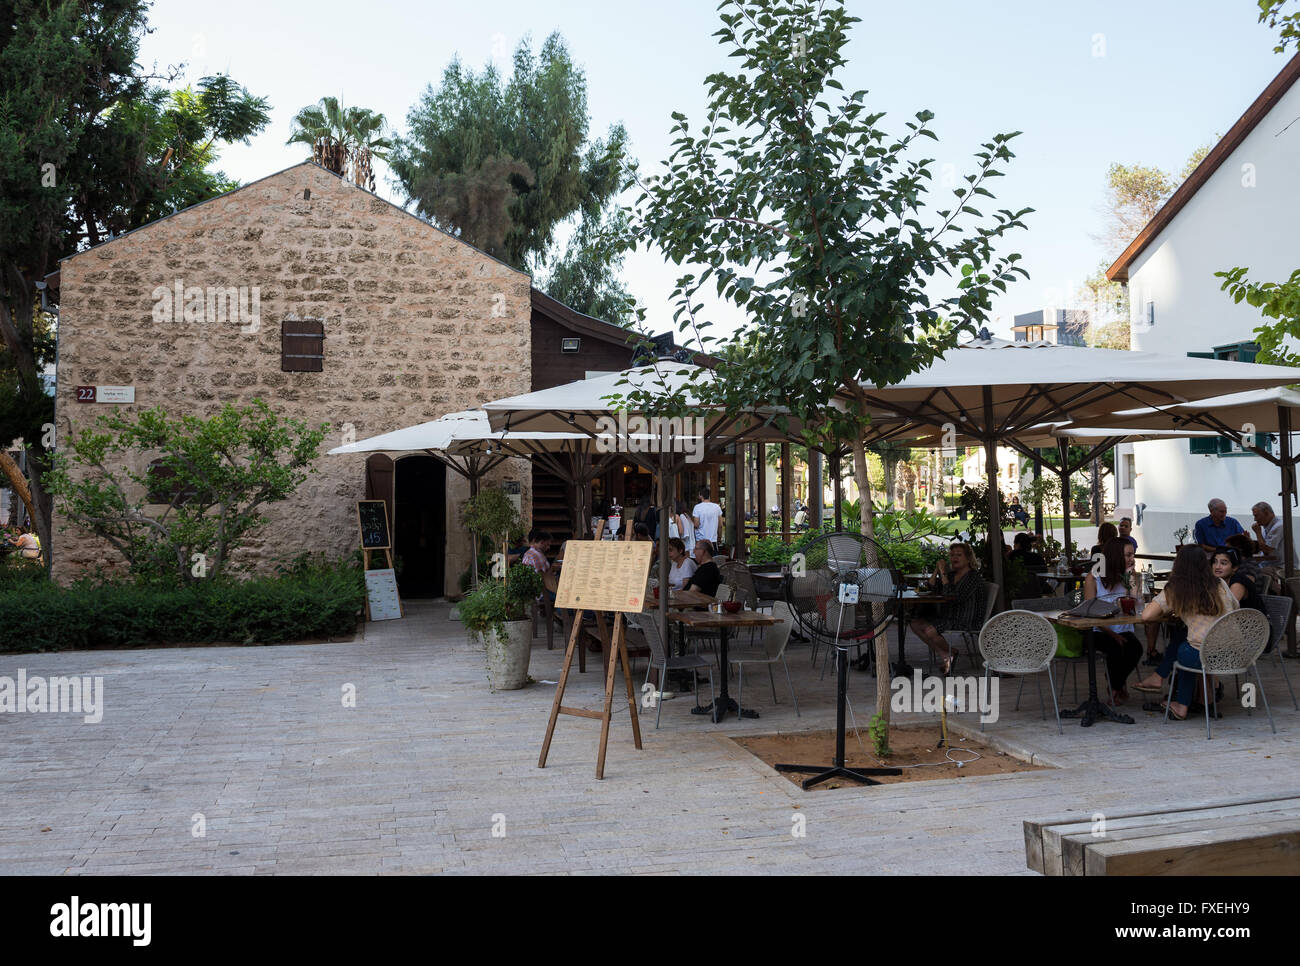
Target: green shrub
(314,599)
(493,602)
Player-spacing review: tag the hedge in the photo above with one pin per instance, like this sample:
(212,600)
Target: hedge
(320,602)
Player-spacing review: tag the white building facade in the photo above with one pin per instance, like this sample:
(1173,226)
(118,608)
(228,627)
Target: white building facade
(1241,207)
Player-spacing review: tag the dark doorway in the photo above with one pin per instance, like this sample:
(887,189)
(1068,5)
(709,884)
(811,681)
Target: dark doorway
(420,526)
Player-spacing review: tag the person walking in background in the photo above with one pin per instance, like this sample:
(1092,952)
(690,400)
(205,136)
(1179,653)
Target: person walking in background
(682,527)
(707,516)
(1214,530)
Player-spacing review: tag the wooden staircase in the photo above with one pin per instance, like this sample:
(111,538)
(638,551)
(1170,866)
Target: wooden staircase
(551,500)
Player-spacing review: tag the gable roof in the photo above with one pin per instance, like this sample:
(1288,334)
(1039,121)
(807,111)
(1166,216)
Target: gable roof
(53,278)
(1227,144)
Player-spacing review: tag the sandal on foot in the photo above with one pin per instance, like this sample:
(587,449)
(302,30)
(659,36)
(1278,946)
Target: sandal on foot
(1148,689)
(1158,707)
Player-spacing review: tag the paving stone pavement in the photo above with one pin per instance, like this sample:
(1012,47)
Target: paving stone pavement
(256,744)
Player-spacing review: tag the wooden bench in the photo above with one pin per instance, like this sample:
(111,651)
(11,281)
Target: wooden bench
(1243,836)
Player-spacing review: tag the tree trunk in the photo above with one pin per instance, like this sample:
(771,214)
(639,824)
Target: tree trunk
(868,530)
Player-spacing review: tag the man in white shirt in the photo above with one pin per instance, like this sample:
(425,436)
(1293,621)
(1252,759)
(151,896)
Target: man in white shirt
(1268,531)
(706,516)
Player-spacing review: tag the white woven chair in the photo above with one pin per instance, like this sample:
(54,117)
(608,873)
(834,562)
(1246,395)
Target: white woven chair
(1020,642)
(1232,645)
(770,650)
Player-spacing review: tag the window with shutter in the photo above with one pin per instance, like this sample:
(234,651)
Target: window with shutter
(1206,445)
(302,345)
(163,485)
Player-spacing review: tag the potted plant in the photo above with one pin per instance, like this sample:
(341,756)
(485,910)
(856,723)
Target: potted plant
(1181,534)
(491,513)
(496,615)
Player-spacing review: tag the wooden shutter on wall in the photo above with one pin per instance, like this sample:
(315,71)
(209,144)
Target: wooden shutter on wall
(302,345)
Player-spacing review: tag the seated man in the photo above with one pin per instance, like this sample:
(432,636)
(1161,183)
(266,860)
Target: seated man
(1126,532)
(1024,552)
(1268,532)
(1214,530)
(707,577)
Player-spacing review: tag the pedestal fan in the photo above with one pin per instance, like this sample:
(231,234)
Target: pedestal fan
(844,592)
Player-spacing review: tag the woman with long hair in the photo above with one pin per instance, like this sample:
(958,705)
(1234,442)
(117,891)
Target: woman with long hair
(682,527)
(959,577)
(1240,578)
(1117,641)
(1198,598)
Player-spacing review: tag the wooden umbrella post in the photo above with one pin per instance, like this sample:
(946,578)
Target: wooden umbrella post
(995,508)
(1063,448)
(1288,530)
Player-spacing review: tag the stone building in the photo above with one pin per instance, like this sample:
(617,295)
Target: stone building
(336,307)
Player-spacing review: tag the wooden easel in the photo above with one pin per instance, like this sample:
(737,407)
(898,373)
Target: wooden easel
(558,708)
(620,587)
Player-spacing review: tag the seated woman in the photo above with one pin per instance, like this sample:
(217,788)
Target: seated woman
(1240,578)
(1117,641)
(1198,598)
(957,575)
(1105,534)
(683,568)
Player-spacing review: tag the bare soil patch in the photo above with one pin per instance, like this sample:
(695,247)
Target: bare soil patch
(913,746)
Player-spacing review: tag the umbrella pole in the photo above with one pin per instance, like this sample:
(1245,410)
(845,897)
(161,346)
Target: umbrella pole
(1288,531)
(995,509)
(1062,447)
(665,511)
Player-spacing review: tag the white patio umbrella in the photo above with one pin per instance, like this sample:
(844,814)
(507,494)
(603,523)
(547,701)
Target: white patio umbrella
(992,390)
(1238,416)
(590,406)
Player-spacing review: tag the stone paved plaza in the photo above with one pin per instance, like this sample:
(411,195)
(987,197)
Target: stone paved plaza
(256,746)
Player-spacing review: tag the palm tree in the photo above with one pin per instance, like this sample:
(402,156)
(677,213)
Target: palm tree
(344,140)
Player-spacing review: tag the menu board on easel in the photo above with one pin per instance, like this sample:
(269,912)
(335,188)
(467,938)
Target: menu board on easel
(604,575)
(382,600)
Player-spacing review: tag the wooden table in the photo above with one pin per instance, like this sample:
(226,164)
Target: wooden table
(1093,709)
(722,623)
(678,600)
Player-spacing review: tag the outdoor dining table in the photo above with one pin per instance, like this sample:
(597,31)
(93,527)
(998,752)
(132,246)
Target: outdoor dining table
(678,600)
(722,623)
(1093,708)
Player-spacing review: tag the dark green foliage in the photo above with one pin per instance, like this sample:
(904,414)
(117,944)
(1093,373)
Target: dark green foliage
(502,163)
(494,602)
(313,599)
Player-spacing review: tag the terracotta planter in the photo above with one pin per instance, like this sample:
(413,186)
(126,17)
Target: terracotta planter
(507,661)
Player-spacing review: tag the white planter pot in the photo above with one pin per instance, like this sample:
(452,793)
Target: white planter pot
(507,663)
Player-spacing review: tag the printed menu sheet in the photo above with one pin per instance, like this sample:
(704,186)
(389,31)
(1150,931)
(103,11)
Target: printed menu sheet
(604,575)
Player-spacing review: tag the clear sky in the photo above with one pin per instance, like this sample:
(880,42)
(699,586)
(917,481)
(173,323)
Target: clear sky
(1089,83)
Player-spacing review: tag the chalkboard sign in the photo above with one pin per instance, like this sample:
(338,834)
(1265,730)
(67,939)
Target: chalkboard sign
(373,518)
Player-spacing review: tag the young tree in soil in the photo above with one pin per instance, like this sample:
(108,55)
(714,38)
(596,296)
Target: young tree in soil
(797,204)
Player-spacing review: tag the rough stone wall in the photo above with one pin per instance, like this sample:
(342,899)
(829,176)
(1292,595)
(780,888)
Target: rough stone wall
(417,325)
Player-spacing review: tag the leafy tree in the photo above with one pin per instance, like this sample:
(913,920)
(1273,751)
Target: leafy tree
(1275,300)
(344,140)
(90,146)
(218,473)
(586,276)
(1134,193)
(1276,14)
(502,164)
(804,212)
